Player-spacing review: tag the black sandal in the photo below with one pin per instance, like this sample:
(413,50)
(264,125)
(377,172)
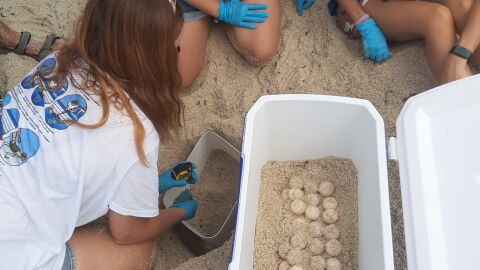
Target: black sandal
(21,46)
(46,48)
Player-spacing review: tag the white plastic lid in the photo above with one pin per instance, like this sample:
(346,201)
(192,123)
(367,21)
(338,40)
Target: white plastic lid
(439,156)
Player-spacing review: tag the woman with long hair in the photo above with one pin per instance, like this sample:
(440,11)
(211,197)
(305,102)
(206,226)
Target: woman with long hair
(80,138)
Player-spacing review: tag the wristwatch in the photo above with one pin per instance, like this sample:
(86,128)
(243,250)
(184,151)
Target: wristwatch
(461,52)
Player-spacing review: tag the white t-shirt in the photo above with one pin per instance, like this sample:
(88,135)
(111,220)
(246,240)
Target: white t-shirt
(55,176)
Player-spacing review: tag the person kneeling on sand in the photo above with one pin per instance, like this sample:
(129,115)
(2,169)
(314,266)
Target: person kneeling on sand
(437,22)
(80,139)
(253,29)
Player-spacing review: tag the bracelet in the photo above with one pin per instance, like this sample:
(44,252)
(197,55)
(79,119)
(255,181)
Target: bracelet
(362,19)
(461,52)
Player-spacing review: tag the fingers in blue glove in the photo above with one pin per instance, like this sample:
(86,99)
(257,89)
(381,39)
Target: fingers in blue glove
(303,5)
(184,196)
(247,25)
(255,6)
(308,4)
(194,177)
(189,208)
(300,7)
(254,19)
(259,14)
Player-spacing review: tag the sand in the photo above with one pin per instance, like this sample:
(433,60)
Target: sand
(216,191)
(314,57)
(274,217)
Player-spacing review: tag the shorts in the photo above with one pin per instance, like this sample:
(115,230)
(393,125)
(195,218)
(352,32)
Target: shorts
(69,261)
(190,13)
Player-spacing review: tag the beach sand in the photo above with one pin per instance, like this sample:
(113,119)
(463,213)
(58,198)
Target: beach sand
(314,57)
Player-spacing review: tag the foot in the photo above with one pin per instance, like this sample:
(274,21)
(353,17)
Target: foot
(9,40)
(456,68)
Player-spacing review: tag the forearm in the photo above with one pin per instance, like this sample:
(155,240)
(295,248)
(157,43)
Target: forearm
(470,37)
(138,230)
(353,9)
(209,7)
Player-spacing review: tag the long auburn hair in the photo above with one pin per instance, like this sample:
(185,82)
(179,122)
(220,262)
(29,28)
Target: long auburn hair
(129,47)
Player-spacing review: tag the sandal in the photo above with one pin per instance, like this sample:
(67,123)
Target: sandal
(46,48)
(21,46)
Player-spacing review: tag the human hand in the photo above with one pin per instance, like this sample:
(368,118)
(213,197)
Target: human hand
(303,5)
(166,180)
(455,68)
(374,43)
(186,202)
(244,15)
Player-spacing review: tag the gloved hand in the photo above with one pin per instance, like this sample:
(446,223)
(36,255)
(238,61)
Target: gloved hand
(186,202)
(244,15)
(303,5)
(166,180)
(374,43)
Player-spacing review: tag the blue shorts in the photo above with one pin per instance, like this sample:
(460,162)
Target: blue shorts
(190,13)
(69,261)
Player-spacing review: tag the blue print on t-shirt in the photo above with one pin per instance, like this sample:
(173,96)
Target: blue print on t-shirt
(45,90)
(64,111)
(9,121)
(19,146)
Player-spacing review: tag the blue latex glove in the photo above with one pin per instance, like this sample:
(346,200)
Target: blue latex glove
(166,181)
(186,202)
(243,15)
(184,196)
(374,43)
(303,5)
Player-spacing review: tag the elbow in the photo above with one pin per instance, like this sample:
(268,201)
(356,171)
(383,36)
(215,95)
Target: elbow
(122,236)
(122,239)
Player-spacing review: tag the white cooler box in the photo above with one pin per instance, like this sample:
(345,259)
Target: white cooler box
(438,147)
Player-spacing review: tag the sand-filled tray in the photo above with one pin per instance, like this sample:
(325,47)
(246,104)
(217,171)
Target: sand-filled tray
(307,216)
(216,191)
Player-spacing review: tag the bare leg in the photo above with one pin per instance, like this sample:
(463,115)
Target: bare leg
(193,44)
(460,10)
(9,39)
(260,45)
(406,20)
(94,249)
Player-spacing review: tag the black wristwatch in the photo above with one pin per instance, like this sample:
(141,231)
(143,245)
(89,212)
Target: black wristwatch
(461,52)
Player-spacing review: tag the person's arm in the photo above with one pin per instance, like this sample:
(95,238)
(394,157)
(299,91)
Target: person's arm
(233,12)
(209,7)
(127,230)
(353,9)
(374,43)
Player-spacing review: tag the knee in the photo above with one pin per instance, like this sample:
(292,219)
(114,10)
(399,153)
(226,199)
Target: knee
(460,10)
(441,18)
(261,55)
(461,7)
(189,77)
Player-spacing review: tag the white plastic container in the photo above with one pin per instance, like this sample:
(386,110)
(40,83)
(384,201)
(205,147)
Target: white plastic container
(438,153)
(192,238)
(439,157)
(300,127)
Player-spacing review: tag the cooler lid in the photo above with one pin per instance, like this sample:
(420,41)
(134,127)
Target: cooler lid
(439,157)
